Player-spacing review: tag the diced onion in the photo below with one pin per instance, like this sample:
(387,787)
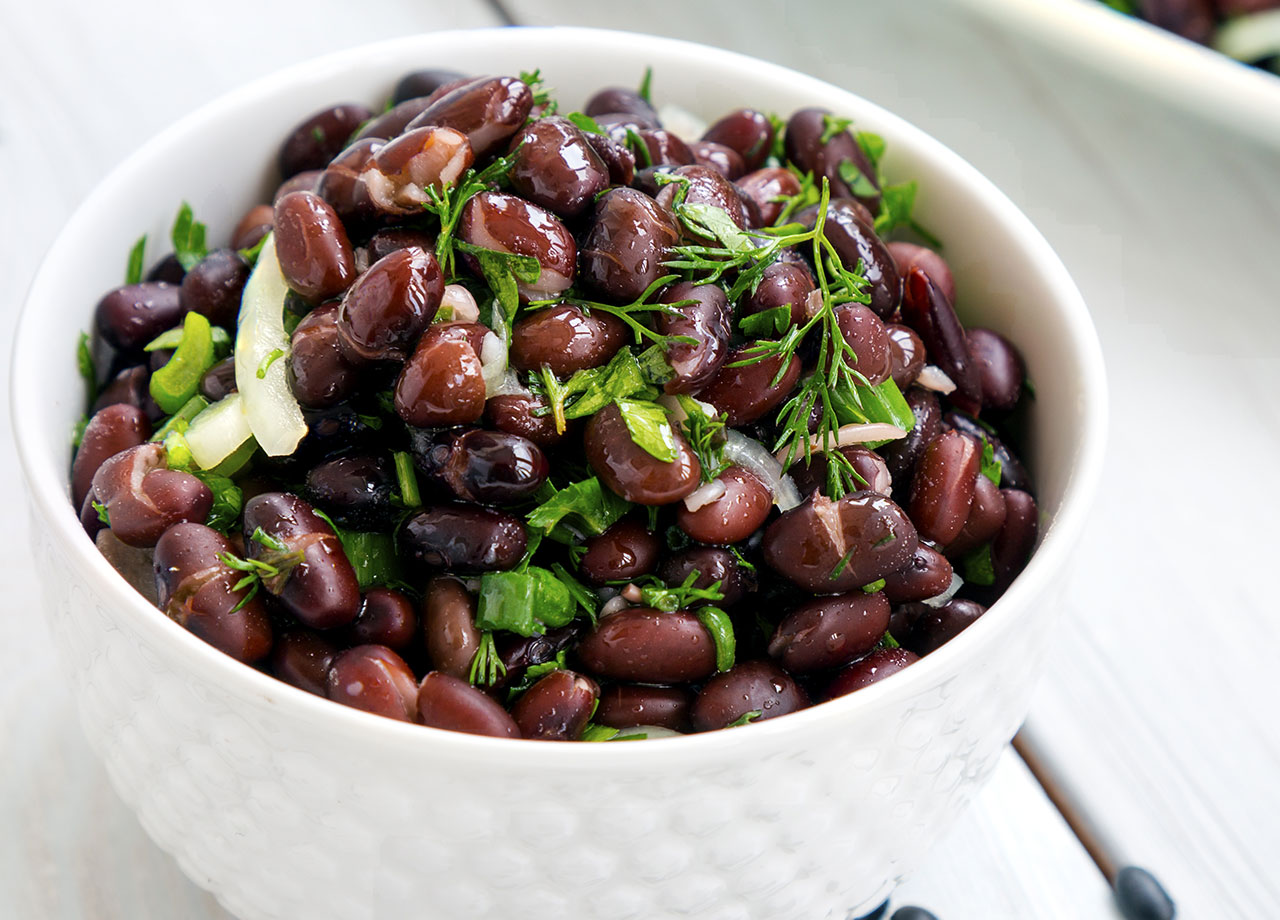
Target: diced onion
(613,605)
(274,416)
(493,360)
(932,378)
(813,304)
(940,599)
(218,431)
(857,433)
(705,494)
(461,307)
(511,386)
(755,457)
(681,122)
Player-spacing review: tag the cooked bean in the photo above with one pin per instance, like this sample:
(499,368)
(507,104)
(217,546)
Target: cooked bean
(1013,475)
(866,671)
(724,160)
(342,183)
(400,173)
(301,657)
(255,224)
(650,646)
(320,137)
(1013,544)
(493,467)
(335,431)
(926,575)
(624,551)
(442,383)
(320,589)
(312,246)
(707,320)
(906,354)
(619,100)
(853,237)
(631,471)
(805,148)
(556,168)
(986,517)
(306,181)
(1000,368)
(782,284)
(903,454)
(448,626)
(703,186)
(828,632)
(219,381)
(168,270)
(732,517)
(196,590)
(943,485)
(871,471)
(618,158)
(375,679)
(628,705)
(865,334)
(355,490)
(712,564)
(926,310)
(421,83)
(129,317)
(932,627)
(566,339)
(213,287)
(746,392)
(451,703)
(488,110)
(665,148)
(144,498)
(390,305)
(322,374)
(834,546)
(111,430)
(765,187)
(391,239)
(557,707)
(519,653)
(752,686)
(631,236)
(515,413)
(131,387)
(746,131)
(907,256)
(464,538)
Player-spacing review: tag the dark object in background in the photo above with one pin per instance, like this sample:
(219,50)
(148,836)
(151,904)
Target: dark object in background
(1140,897)
(912,913)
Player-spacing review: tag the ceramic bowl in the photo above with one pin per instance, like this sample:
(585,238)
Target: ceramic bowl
(285,805)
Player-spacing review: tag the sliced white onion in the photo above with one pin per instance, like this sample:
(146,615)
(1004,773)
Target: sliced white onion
(1250,37)
(511,386)
(218,431)
(813,304)
(857,433)
(940,599)
(459,305)
(274,416)
(705,494)
(681,122)
(932,378)
(493,359)
(613,605)
(755,457)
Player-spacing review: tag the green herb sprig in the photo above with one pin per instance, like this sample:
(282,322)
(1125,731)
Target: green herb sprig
(447,204)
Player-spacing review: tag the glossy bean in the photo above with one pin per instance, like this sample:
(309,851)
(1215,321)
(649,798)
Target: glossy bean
(219,381)
(566,339)
(866,671)
(865,334)
(707,319)
(724,160)
(557,707)
(506,223)
(301,657)
(628,705)
(828,632)
(493,467)
(732,517)
(640,644)
(312,246)
(320,137)
(750,687)
(626,550)
(130,386)
(322,374)
(746,392)
(375,679)
(129,317)
(1017,537)
(871,471)
(453,704)
(746,131)
(852,235)
(617,158)
(943,486)
(253,226)
(320,587)
(110,431)
(143,498)
(168,271)
(986,517)
(630,238)
(765,187)
(556,168)
(519,653)
(1192,19)
(391,239)
(705,187)
(927,574)
(631,471)
(620,100)
(835,546)
(303,182)
(355,490)
(390,306)
(418,84)
(906,355)
(782,284)
(1000,368)
(926,310)
(827,160)
(515,413)
(907,256)
(665,148)
(712,564)
(442,383)
(903,454)
(464,538)
(196,590)
(1013,475)
(214,285)
(933,627)
(488,110)
(399,174)
(343,186)
(448,626)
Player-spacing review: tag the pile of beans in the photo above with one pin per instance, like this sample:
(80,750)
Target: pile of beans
(774,610)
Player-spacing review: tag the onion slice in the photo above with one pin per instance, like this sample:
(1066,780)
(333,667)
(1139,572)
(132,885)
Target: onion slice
(493,360)
(274,416)
(755,457)
(934,378)
(939,599)
(218,431)
(848,435)
(705,494)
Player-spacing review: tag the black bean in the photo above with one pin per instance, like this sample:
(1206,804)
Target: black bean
(453,704)
(464,538)
(320,137)
(631,471)
(749,687)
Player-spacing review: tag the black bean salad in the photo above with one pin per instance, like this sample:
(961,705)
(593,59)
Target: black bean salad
(1247,30)
(558,425)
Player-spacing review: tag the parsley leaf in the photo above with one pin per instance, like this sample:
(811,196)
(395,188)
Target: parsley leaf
(590,390)
(591,506)
(646,86)
(101,509)
(228,499)
(502,272)
(831,126)
(705,432)
(649,427)
(133,270)
(188,236)
(991,467)
(979,568)
(541,92)
(84,363)
(766,323)
(586,123)
(595,732)
(525,603)
(859,182)
(486,665)
(448,202)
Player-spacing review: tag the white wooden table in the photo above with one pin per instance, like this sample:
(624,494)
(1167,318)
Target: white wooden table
(1158,705)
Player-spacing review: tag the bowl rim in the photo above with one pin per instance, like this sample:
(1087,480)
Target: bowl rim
(48,490)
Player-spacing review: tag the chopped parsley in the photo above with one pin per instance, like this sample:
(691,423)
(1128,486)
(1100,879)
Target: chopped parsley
(133,269)
(188,236)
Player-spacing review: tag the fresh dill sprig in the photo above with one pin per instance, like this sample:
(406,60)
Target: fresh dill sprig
(642,304)
(447,203)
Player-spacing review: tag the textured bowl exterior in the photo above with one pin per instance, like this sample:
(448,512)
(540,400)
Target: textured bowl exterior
(287,806)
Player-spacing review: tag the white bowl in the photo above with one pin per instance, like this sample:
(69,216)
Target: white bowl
(285,805)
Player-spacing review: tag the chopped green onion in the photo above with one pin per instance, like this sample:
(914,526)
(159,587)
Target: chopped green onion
(176,382)
(408,479)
